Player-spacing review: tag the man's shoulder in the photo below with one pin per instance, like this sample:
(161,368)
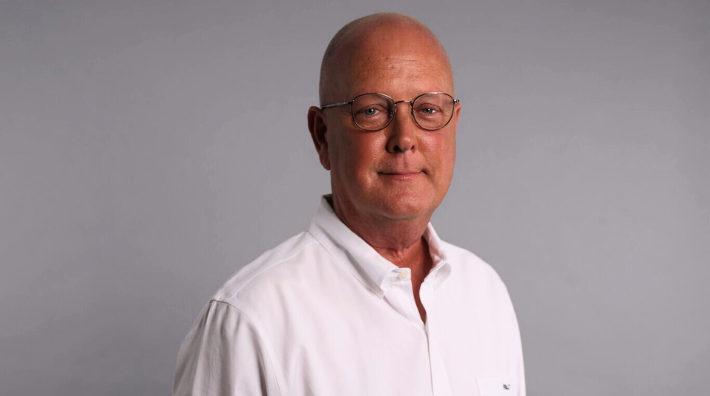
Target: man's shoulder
(470,265)
(277,263)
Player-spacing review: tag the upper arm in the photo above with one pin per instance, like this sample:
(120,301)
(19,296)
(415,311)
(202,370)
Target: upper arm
(224,354)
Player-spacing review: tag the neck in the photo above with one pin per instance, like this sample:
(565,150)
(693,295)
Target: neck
(399,241)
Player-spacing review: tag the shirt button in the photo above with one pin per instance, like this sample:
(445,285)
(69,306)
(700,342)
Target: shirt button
(403,275)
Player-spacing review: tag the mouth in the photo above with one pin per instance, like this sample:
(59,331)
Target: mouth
(401,175)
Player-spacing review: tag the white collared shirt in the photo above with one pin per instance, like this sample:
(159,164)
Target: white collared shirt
(324,314)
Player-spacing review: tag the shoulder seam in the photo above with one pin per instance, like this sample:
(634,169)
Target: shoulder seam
(247,281)
(257,323)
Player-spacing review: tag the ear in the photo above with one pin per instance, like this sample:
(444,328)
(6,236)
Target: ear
(457,111)
(318,128)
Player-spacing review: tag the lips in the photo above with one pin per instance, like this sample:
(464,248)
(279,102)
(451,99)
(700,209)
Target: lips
(402,169)
(400,173)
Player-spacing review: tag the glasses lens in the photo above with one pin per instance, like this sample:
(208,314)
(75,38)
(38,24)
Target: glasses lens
(433,110)
(372,111)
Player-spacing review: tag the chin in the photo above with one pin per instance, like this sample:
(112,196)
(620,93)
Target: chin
(402,208)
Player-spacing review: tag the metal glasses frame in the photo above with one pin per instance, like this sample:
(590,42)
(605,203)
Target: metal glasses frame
(394,111)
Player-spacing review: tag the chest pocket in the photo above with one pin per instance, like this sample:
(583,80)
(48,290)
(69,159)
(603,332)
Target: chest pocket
(497,386)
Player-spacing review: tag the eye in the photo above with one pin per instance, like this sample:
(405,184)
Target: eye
(428,110)
(372,111)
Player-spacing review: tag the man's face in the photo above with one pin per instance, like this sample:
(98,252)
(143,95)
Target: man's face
(401,172)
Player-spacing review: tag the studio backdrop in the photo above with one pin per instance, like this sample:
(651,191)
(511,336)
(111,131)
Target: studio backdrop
(150,149)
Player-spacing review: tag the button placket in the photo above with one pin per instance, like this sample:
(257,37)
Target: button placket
(439,377)
(400,295)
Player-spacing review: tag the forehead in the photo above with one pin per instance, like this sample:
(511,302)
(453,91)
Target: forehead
(394,60)
(395,75)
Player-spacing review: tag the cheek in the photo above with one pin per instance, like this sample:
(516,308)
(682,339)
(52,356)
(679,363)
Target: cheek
(452,150)
(441,151)
(363,151)
(355,154)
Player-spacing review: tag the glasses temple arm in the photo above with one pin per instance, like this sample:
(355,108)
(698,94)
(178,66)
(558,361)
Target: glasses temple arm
(335,105)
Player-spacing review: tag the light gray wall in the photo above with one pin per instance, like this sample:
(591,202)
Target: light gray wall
(149,149)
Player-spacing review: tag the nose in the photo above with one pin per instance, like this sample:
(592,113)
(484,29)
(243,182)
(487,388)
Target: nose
(403,130)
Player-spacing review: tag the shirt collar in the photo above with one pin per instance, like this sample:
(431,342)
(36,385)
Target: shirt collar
(366,264)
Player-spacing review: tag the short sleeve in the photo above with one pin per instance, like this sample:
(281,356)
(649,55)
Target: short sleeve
(224,354)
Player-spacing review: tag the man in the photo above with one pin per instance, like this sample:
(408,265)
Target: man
(368,301)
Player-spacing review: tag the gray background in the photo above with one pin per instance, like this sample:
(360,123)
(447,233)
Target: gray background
(149,149)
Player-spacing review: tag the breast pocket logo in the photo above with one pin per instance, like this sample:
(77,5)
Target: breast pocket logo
(506,386)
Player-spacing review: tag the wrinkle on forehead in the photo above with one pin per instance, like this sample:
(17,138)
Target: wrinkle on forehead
(377,41)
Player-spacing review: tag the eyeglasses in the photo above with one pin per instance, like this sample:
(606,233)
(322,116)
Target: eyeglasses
(374,111)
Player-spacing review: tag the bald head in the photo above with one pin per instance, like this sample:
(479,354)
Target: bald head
(375,38)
